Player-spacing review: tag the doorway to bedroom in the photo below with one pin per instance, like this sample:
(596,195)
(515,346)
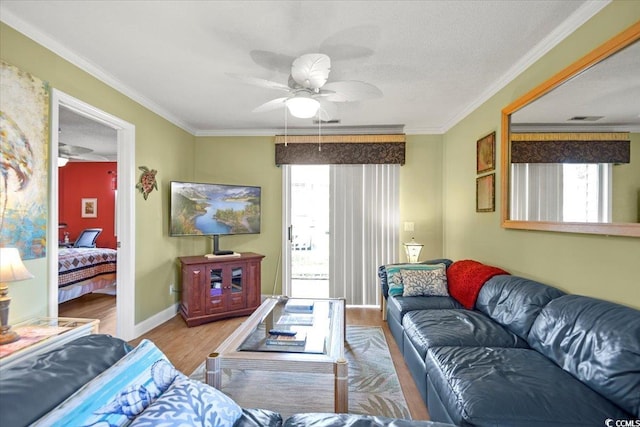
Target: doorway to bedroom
(87,202)
(93,153)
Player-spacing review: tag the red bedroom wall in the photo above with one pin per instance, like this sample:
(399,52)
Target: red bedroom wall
(82,180)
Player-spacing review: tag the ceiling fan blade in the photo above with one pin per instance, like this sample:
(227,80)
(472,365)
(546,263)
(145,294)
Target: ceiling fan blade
(327,111)
(274,104)
(351,43)
(311,70)
(351,90)
(255,81)
(272,61)
(343,52)
(91,157)
(72,150)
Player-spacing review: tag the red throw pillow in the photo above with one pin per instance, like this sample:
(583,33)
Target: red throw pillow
(465,279)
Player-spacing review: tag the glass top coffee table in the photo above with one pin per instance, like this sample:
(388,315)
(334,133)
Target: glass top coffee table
(316,348)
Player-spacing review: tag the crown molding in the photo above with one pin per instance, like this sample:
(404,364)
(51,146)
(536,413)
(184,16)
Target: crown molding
(571,24)
(352,130)
(237,132)
(424,131)
(308,130)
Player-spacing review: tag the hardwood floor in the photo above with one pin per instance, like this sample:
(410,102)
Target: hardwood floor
(188,347)
(93,306)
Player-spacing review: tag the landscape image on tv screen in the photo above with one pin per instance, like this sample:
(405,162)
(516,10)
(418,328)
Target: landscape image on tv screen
(210,209)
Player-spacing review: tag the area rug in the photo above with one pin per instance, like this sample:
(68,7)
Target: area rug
(374,388)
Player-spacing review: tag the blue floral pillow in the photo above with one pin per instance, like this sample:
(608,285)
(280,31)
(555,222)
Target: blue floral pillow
(394,275)
(424,282)
(190,403)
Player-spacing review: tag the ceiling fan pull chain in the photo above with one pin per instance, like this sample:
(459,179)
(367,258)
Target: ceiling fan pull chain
(319,132)
(285,127)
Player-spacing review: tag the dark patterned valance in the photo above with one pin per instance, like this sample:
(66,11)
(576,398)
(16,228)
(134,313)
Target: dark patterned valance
(340,149)
(570,148)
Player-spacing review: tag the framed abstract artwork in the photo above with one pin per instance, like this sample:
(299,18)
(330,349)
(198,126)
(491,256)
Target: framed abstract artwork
(24,133)
(486,153)
(485,193)
(89,208)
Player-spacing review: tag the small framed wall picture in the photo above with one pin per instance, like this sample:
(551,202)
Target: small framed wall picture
(89,208)
(486,153)
(485,193)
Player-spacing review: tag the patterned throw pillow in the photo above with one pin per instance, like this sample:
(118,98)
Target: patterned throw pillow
(424,283)
(394,279)
(119,394)
(394,275)
(190,403)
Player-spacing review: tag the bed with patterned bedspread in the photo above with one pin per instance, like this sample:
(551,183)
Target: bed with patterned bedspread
(85,270)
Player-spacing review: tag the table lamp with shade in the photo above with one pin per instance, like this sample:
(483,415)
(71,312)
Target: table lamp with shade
(412,250)
(11,270)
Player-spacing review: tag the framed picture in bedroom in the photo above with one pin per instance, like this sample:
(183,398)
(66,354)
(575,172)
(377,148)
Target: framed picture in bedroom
(486,153)
(89,208)
(485,193)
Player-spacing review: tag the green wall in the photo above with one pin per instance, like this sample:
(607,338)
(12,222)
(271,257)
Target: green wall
(246,161)
(160,145)
(251,161)
(421,194)
(601,266)
(626,185)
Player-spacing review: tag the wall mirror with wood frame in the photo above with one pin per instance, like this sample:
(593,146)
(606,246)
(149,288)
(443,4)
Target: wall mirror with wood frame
(571,146)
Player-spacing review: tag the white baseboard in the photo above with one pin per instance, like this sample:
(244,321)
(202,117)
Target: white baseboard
(156,320)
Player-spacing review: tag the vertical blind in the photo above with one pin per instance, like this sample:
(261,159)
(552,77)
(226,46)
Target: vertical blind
(364,209)
(364,204)
(561,192)
(536,191)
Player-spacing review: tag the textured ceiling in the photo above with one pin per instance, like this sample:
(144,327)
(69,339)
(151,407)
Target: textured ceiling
(78,131)
(606,96)
(434,61)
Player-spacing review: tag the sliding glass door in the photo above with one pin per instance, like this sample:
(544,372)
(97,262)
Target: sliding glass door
(307,245)
(341,223)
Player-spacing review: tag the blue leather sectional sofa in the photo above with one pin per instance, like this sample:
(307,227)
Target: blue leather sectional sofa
(66,381)
(527,355)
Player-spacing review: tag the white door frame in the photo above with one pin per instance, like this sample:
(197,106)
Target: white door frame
(125,210)
(286,229)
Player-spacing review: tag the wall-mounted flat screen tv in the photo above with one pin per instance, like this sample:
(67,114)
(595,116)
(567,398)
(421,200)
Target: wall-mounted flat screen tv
(202,209)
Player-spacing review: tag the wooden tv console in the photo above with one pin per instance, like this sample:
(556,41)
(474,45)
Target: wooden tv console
(219,287)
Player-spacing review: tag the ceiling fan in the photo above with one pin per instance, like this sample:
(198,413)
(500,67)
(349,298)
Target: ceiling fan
(78,153)
(308,92)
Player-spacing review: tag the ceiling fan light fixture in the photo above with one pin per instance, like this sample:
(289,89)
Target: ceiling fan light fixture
(302,107)
(62,161)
